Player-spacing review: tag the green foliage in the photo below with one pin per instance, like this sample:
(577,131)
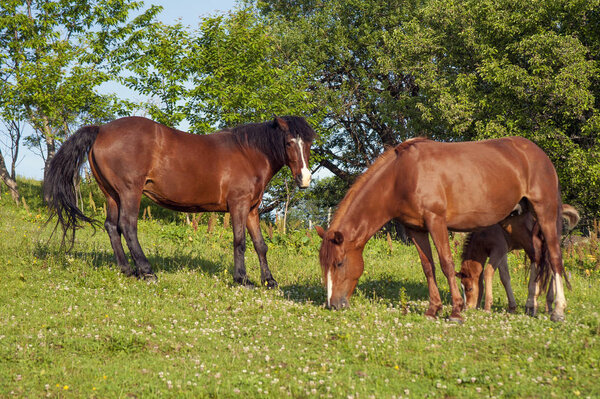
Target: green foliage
(54,58)
(452,71)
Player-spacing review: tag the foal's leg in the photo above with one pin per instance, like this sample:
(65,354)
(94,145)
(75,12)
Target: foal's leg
(488,276)
(439,234)
(114,234)
(130,207)
(239,215)
(533,291)
(501,262)
(421,241)
(253,224)
(481,286)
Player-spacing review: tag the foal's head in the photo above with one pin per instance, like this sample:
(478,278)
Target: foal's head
(470,275)
(298,139)
(342,265)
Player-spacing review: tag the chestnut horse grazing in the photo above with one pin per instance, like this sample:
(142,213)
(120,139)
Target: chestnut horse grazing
(431,187)
(515,232)
(222,172)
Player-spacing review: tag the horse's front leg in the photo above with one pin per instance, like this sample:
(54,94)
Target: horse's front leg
(253,224)
(421,241)
(439,234)
(239,214)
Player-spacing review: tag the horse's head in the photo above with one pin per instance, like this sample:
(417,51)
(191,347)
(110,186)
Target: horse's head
(469,277)
(298,139)
(342,265)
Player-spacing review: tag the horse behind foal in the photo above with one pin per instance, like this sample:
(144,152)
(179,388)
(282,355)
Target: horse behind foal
(222,172)
(432,187)
(494,242)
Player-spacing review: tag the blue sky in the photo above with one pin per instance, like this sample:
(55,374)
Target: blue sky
(188,13)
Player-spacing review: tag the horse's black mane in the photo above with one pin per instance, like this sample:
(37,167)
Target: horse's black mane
(269,138)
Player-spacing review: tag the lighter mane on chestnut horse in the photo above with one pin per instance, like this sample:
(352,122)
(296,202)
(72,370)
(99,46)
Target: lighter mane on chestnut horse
(433,187)
(226,171)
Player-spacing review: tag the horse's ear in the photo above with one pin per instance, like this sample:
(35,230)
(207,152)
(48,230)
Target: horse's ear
(281,123)
(338,238)
(320,231)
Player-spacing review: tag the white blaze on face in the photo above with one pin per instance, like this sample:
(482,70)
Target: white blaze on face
(329,287)
(305,181)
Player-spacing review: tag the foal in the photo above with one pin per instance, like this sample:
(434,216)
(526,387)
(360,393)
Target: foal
(494,242)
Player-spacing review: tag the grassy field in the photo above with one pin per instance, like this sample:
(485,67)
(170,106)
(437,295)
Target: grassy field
(72,326)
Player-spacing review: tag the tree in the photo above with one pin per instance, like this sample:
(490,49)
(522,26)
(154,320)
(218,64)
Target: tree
(339,44)
(54,52)
(228,71)
(496,68)
(452,71)
(12,116)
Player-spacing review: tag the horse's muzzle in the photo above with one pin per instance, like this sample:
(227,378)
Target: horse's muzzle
(341,303)
(303,179)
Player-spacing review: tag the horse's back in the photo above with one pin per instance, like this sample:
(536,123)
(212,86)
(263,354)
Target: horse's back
(175,169)
(474,184)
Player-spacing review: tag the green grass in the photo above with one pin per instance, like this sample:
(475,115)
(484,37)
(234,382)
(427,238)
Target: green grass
(71,325)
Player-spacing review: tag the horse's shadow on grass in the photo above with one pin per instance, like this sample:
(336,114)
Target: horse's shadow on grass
(105,259)
(387,291)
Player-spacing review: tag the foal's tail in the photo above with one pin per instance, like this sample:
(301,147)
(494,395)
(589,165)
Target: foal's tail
(570,217)
(59,183)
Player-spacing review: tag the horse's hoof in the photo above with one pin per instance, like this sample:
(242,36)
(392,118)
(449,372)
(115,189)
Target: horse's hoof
(456,318)
(149,277)
(558,318)
(129,272)
(244,282)
(430,316)
(512,309)
(270,283)
(529,311)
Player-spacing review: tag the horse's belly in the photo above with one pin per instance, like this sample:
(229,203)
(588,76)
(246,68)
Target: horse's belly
(470,220)
(190,197)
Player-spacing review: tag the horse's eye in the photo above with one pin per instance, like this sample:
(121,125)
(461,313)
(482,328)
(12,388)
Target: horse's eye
(288,144)
(468,289)
(339,264)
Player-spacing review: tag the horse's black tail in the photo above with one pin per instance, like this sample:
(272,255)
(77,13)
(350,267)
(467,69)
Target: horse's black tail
(59,183)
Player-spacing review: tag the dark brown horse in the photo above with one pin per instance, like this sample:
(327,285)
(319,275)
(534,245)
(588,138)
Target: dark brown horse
(432,187)
(222,172)
(515,232)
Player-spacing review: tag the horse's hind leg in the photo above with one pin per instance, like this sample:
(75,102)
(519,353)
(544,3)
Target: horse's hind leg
(253,225)
(130,207)
(114,233)
(549,219)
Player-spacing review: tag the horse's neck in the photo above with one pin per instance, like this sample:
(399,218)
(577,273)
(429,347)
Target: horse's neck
(361,220)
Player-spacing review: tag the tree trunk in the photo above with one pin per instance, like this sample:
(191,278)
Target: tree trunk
(50,145)
(8,180)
